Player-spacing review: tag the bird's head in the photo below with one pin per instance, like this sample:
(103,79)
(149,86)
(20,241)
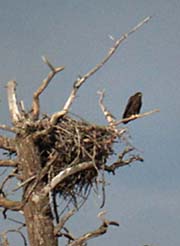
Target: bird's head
(139,94)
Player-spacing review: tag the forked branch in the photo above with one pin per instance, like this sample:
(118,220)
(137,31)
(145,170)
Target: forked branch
(35,104)
(98,232)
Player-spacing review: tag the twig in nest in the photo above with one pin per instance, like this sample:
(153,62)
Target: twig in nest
(80,81)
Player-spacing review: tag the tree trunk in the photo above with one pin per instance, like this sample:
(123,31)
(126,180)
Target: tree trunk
(38,215)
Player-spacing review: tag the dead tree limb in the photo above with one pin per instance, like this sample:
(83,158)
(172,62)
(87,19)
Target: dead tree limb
(98,232)
(80,81)
(35,104)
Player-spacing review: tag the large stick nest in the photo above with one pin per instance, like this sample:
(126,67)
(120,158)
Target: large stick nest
(76,142)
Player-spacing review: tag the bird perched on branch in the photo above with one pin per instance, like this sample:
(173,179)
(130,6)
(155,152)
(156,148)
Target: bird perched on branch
(133,106)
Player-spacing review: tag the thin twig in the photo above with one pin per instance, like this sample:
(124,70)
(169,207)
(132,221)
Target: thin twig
(63,220)
(80,81)
(24,183)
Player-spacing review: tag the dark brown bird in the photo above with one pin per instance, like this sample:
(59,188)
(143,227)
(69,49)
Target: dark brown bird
(133,106)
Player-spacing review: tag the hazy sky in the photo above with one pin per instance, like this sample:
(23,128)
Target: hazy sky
(144,198)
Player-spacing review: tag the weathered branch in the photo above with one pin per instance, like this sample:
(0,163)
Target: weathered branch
(136,116)
(9,204)
(36,104)
(80,81)
(12,101)
(7,143)
(98,232)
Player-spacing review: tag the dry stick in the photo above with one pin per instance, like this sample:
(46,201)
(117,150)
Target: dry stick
(42,87)
(82,79)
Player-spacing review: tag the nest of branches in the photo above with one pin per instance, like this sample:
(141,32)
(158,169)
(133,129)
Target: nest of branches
(76,142)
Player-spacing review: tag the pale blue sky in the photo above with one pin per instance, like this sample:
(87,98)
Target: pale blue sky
(144,198)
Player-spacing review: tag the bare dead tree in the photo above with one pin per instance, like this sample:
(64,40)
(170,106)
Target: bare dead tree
(59,155)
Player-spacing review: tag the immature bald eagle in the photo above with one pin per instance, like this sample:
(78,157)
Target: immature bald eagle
(133,106)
